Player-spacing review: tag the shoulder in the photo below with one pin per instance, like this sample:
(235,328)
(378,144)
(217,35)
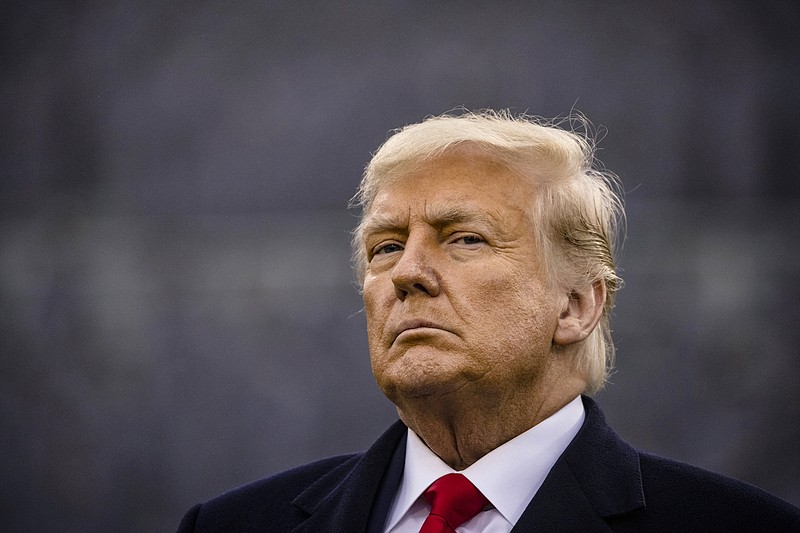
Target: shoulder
(682,494)
(287,484)
(266,501)
(681,480)
(333,487)
(639,491)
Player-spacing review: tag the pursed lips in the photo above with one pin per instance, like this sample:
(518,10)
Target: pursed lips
(409,325)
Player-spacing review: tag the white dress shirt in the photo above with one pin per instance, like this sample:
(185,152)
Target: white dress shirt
(508,476)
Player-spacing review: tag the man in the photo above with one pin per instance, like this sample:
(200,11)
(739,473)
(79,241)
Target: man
(485,256)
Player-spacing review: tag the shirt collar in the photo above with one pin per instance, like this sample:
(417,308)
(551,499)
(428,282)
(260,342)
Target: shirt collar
(508,476)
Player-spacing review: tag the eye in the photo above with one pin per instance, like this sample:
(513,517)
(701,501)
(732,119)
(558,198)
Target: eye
(387,248)
(469,240)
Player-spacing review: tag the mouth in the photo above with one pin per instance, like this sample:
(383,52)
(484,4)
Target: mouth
(410,326)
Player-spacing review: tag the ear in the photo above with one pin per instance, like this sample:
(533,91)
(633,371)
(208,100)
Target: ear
(580,314)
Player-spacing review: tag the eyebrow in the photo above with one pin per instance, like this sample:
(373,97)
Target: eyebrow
(436,216)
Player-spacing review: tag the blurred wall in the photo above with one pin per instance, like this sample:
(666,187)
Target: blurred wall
(177,313)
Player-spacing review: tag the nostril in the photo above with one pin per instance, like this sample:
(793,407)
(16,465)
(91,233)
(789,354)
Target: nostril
(421,288)
(400,294)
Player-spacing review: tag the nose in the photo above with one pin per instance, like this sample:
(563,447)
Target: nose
(415,271)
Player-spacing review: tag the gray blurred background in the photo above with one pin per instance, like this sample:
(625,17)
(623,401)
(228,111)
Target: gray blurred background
(177,313)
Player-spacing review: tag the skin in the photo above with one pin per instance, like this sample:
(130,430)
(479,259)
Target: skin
(466,337)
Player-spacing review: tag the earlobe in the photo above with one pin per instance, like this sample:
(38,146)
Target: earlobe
(580,314)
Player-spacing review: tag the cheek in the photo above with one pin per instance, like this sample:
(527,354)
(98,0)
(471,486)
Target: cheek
(515,315)
(376,311)
(369,291)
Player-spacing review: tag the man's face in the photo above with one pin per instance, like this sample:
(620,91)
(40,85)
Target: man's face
(454,289)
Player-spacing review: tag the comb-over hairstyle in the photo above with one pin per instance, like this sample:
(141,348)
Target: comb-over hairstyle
(575,213)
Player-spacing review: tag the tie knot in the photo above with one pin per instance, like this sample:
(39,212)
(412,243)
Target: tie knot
(454,499)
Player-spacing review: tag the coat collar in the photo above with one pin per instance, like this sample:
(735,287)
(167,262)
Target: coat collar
(341,500)
(597,476)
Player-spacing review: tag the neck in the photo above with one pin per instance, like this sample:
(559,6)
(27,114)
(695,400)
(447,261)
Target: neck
(461,427)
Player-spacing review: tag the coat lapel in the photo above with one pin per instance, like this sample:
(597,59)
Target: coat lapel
(560,505)
(596,477)
(342,499)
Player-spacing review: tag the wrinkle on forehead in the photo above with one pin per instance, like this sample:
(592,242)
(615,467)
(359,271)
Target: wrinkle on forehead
(450,190)
(437,213)
(468,152)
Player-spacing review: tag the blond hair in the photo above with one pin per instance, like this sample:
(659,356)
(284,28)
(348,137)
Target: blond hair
(576,211)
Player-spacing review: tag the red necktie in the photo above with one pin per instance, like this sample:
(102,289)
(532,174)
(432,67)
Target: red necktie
(454,500)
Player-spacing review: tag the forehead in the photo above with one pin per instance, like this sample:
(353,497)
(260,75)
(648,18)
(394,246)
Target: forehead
(451,188)
(453,176)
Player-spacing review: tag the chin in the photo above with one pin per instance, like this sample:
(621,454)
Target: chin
(421,373)
(418,385)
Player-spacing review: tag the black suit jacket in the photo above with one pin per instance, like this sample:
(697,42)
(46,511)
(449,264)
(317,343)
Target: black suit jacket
(599,483)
